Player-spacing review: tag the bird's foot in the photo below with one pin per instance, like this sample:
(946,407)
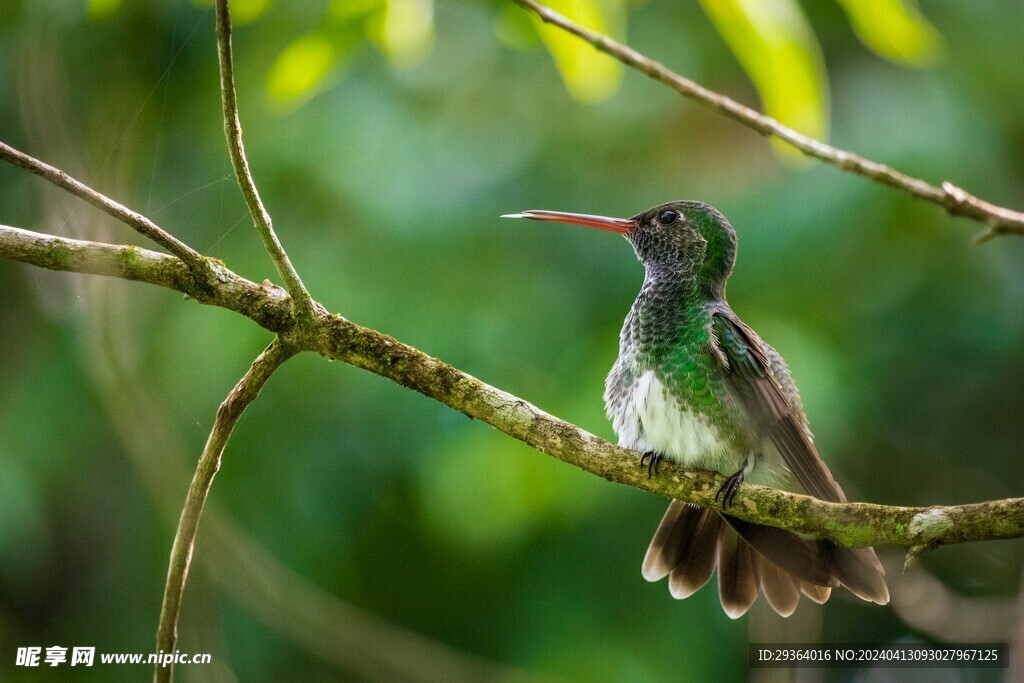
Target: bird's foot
(729,488)
(653,459)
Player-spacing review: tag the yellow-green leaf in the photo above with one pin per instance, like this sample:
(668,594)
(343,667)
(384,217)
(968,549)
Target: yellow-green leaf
(300,70)
(100,10)
(896,30)
(242,11)
(775,45)
(514,27)
(404,31)
(589,75)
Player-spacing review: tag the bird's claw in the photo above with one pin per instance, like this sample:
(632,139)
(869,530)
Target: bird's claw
(729,488)
(653,459)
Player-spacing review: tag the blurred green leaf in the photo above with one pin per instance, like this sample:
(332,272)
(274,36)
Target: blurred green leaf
(242,11)
(346,10)
(589,75)
(775,45)
(514,27)
(896,30)
(301,69)
(404,31)
(100,10)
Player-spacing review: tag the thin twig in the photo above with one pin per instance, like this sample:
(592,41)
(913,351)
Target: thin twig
(196,261)
(233,132)
(855,524)
(244,393)
(955,200)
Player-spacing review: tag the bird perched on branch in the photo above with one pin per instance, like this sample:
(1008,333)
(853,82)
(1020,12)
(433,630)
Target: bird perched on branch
(693,384)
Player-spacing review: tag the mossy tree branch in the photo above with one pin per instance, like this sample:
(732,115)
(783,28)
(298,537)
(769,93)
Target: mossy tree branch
(955,200)
(854,524)
(267,304)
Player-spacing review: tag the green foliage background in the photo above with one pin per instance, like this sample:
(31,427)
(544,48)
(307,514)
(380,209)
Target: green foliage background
(386,176)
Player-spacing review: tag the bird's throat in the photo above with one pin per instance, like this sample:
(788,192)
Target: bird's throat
(669,310)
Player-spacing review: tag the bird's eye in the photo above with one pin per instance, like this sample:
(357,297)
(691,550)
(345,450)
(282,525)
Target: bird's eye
(668,217)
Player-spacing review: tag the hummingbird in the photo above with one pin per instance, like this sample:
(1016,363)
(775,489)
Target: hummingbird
(695,385)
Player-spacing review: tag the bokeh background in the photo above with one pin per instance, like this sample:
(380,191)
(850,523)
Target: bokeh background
(358,531)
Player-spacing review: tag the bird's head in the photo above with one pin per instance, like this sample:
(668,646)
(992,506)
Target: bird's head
(680,238)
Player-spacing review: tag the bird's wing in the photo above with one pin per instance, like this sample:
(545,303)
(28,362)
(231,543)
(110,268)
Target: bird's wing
(747,367)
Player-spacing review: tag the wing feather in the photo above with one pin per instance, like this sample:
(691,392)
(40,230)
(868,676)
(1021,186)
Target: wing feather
(775,417)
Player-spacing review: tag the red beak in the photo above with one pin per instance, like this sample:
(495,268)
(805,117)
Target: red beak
(619,225)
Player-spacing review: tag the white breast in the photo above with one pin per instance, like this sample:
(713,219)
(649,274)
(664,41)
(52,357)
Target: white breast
(650,418)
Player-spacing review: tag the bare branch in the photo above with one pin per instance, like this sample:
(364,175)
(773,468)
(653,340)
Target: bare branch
(233,132)
(135,220)
(956,201)
(244,393)
(852,524)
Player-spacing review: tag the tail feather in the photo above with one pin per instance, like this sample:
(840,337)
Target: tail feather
(798,556)
(860,572)
(737,578)
(700,556)
(670,541)
(819,594)
(691,541)
(781,589)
